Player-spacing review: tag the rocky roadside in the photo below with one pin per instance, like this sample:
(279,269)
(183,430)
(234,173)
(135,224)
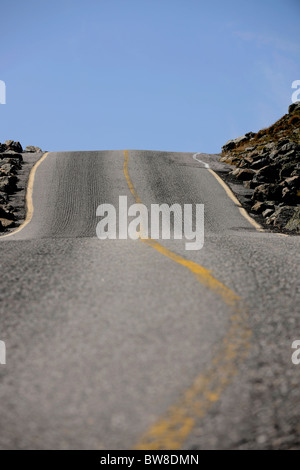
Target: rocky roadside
(267,163)
(15,166)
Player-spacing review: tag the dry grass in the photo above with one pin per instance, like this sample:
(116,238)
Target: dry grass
(286,127)
(294,120)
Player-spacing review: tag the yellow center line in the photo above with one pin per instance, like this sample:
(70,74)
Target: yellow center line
(171,430)
(29,202)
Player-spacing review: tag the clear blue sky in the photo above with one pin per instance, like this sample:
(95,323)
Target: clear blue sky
(182,75)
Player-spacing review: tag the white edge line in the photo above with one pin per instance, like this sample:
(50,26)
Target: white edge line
(206,165)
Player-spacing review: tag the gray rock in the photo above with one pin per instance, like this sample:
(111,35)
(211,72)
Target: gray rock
(267,213)
(294,107)
(15,146)
(266,192)
(258,207)
(11,154)
(257,164)
(282,216)
(244,174)
(32,149)
(9,168)
(231,144)
(8,184)
(288,147)
(6,214)
(294,222)
(289,195)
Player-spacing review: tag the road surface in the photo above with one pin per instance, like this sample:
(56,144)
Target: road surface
(121,344)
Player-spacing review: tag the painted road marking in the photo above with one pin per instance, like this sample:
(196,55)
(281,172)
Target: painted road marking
(195,157)
(171,430)
(29,202)
(231,195)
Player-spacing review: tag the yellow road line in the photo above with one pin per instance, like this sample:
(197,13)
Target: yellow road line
(236,201)
(243,211)
(171,430)
(29,203)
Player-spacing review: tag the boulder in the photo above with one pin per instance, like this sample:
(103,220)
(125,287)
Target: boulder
(266,191)
(258,207)
(8,168)
(32,149)
(267,174)
(15,146)
(244,174)
(3,197)
(294,107)
(11,154)
(293,182)
(8,184)
(267,213)
(289,195)
(294,222)
(257,164)
(7,223)
(282,216)
(5,214)
(231,144)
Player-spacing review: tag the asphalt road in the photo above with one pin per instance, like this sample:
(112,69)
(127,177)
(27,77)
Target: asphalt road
(120,344)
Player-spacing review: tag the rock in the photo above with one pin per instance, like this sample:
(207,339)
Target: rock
(15,146)
(249,160)
(286,170)
(250,184)
(11,161)
(228,146)
(250,135)
(267,213)
(258,207)
(11,154)
(9,168)
(231,144)
(294,107)
(267,174)
(288,147)
(8,184)
(1,227)
(282,216)
(273,155)
(31,148)
(7,223)
(232,160)
(3,197)
(270,146)
(259,163)
(294,222)
(244,174)
(5,214)
(265,192)
(270,166)
(293,181)
(289,195)
(282,142)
